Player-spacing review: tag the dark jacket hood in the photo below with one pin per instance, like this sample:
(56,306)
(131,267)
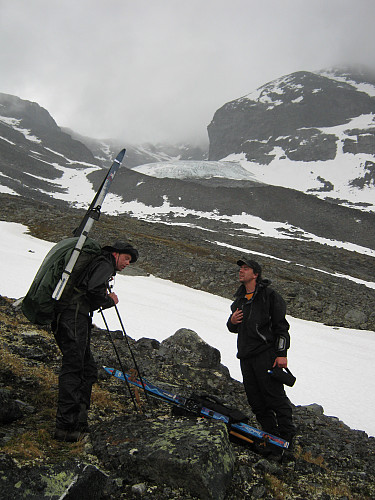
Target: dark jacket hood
(264,283)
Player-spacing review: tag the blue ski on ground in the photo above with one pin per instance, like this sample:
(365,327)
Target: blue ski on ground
(238,429)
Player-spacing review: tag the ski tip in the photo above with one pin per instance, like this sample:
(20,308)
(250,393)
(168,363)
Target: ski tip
(121,155)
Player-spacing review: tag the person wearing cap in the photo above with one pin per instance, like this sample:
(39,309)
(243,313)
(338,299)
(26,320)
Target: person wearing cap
(72,331)
(258,317)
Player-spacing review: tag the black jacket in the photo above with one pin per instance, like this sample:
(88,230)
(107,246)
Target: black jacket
(91,292)
(263,325)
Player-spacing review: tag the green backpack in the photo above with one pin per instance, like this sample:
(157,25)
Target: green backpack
(38,305)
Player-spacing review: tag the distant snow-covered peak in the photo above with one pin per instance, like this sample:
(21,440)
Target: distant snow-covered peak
(290,88)
(196,170)
(268,93)
(346,76)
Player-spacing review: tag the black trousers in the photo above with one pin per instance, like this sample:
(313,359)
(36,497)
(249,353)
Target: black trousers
(267,396)
(78,370)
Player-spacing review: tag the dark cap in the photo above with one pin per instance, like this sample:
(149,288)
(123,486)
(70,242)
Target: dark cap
(257,268)
(123,247)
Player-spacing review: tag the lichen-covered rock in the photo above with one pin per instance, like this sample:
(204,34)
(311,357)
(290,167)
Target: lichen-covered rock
(185,346)
(68,480)
(87,484)
(195,455)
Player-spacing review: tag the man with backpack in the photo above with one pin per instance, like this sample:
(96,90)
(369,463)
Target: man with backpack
(258,317)
(72,330)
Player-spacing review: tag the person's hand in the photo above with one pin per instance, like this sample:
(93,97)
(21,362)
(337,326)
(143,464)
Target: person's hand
(281,362)
(236,317)
(113,297)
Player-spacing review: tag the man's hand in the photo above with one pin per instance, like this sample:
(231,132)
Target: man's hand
(236,317)
(113,297)
(281,362)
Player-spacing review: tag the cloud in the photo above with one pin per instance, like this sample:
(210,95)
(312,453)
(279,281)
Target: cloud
(158,71)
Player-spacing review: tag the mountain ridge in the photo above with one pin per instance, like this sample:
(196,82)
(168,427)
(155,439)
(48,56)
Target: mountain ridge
(315,126)
(45,173)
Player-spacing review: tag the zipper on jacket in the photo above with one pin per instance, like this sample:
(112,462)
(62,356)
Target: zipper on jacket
(263,337)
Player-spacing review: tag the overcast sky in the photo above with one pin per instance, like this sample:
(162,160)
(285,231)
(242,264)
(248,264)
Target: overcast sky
(157,70)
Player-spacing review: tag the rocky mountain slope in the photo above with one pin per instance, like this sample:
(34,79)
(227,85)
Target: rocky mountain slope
(304,272)
(34,149)
(147,451)
(324,118)
(40,161)
(289,112)
(202,214)
(191,228)
(106,150)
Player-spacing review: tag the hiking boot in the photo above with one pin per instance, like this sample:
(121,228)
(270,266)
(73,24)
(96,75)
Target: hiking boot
(288,454)
(290,438)
(84,427)
(68,436)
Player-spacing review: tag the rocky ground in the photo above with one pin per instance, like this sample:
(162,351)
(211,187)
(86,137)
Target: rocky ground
(147,452)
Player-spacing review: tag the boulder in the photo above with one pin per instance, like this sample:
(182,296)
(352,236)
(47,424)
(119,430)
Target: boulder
(68,480)
(185,346)
(191,454)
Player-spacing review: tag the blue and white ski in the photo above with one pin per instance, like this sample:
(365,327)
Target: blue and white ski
(239,429)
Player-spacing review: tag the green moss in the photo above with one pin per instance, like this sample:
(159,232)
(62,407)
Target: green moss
(57,484)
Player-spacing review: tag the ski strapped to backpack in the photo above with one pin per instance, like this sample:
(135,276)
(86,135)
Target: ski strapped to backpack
(59,266)
(92,214)
(196,407)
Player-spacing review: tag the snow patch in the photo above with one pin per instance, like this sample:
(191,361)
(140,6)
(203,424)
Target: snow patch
(13,122)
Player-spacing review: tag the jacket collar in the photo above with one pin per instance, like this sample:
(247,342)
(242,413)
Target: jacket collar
(241,292)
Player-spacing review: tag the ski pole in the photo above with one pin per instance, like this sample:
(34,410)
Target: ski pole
(132,355)
(119,359)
